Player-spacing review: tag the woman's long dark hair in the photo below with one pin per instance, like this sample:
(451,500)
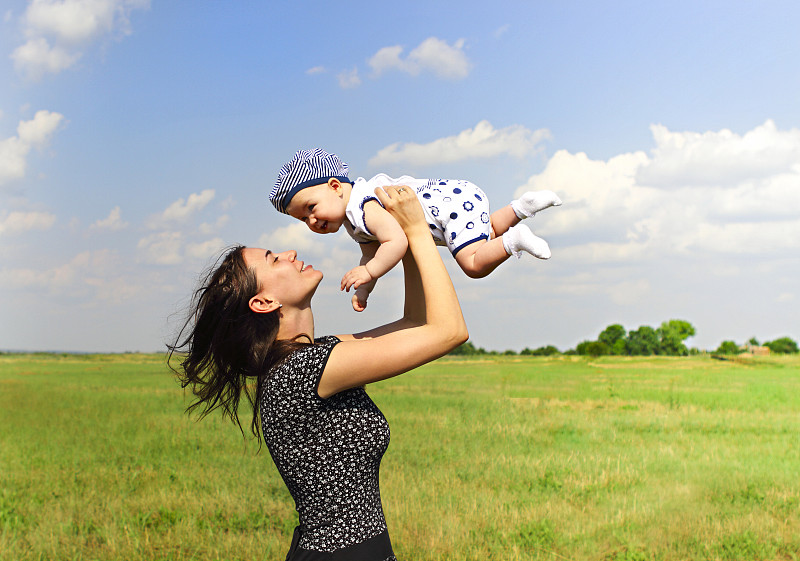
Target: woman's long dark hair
(226,347)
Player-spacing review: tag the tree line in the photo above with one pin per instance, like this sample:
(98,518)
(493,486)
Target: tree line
(667,340)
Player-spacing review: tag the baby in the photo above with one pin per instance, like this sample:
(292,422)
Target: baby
(314,187)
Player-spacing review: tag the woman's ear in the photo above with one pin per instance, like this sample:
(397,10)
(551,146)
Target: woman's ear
(262,305)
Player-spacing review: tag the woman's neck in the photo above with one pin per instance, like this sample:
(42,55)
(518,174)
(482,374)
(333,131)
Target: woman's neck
(296,321)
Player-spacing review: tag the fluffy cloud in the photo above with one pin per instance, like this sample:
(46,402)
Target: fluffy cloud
(34,133)
(18,222)
(38,57)
(58,31)
(112,222)
(207,228)
(72,277)
(719,157)
(182,209)
(172,248)
(294,236)
(162,248)
(349,79)
(695,192)
(205,250)
(432,55)
(483,141)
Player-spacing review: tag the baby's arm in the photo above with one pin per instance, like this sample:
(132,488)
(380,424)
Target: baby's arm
(393,245)
(361,293)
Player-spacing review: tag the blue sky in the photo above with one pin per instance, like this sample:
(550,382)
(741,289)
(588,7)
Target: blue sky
(138,138)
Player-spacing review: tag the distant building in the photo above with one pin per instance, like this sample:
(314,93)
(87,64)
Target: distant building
(755,350)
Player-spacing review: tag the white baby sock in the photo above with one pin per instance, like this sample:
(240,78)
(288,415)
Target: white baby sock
(520,238)
(533,201)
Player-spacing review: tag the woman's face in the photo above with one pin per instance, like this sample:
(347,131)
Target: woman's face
(282,278)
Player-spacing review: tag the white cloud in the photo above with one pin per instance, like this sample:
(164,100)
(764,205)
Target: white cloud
(206,228)
(182,209)
(35,133)
(37,57)
(162,248)
(18,222)
(294,236)
(69,277)
(206,249)
(723,158)
(483,141)
(316,70)
(433,55)
(500,31)
(112,222)
(349,79)
(615,207)
(58,31)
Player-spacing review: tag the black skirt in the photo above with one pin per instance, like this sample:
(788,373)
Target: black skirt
(376,548)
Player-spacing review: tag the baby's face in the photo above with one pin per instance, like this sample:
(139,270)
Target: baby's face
(321,207)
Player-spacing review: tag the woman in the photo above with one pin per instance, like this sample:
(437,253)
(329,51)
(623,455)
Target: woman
(253,322)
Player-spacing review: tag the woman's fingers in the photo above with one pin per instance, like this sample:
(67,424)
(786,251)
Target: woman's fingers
(402,204)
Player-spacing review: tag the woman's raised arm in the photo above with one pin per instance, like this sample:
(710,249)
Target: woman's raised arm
(432,323)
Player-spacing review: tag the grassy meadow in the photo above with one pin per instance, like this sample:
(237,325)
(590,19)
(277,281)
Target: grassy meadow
(500,458)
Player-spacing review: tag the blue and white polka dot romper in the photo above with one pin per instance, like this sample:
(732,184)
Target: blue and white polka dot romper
(457,211)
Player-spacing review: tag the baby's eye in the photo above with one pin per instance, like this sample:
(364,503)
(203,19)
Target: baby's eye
(311,208)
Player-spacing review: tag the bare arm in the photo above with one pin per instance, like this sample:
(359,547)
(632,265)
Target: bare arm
(393,245)
(432,323)
(363,290)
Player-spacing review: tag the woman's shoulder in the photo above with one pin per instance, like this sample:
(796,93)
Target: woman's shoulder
(298,374)
(329,340)
(308,352)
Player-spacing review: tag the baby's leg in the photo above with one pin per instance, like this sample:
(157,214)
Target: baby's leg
(526,206)
(533,201)
(480,258)
(502,220)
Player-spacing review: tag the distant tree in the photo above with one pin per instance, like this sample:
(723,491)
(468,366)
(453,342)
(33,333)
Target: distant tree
(753,342)
(592,348)
(620,347)
(610,335)
(549,350)
(728,348)
(466,349)
(510,352)
(671,334)
(642,342)
(784,345)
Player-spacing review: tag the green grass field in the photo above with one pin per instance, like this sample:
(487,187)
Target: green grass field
(504,458)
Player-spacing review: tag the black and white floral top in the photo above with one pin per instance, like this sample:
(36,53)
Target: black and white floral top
(328,451)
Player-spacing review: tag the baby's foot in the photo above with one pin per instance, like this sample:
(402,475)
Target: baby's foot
(533,201)
(520,238)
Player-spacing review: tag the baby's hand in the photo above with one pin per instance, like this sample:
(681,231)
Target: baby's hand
(355,278)
(360,298)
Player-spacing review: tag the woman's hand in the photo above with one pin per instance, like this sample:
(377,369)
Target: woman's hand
(402,203)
